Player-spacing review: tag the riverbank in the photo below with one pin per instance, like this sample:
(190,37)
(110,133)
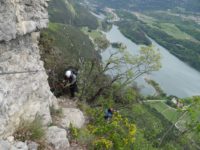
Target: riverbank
(179,36)
(175,77)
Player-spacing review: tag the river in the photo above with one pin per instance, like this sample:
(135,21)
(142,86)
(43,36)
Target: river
(175,77)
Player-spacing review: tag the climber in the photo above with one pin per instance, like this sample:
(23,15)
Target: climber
(70,81)
(108,113)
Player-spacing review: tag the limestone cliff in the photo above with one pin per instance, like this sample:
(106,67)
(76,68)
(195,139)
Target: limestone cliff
(24,90)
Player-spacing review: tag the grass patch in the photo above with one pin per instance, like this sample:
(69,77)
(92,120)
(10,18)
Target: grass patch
(98,37)
(53,26)
(169,28)
(168,112)
(32,131)
(174,31)
(159,106)
(92,33)
(172,115)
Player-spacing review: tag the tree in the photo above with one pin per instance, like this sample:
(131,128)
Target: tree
(193,123)
(121,67)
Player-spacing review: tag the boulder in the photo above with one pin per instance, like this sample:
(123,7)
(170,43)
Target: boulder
(73,116)
(6,145)
(57,137)
(20,146)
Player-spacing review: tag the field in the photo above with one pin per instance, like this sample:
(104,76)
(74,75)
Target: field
(98,38)
(172,30)
(169,28)
(92,33)
(168,112)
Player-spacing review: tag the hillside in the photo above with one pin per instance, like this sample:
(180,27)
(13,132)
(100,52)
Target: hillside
(69,12)
(151,124)
(149,5)
(70,41)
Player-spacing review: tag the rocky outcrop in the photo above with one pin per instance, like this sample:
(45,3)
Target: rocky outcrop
(19,17)
(11,144)
(70,114)
(24,90)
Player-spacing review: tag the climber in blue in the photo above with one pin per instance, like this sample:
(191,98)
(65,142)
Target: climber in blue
(108,114)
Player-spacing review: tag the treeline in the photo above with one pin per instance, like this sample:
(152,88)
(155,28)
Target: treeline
(133,32)
(130,27)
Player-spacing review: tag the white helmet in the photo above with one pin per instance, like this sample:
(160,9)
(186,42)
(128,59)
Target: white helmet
(68,73)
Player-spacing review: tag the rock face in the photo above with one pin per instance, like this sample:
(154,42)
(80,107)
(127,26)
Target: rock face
(24,90)
(19,17)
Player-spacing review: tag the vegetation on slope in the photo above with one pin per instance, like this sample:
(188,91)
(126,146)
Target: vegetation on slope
(98,38)
(100,134)
(69,42)
(69,12)
(63,46)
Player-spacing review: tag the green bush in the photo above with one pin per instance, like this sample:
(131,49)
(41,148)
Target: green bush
(100,134)
(118,133)
(82,136)
(102,144)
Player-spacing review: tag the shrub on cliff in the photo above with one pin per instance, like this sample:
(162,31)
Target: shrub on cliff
(116,134)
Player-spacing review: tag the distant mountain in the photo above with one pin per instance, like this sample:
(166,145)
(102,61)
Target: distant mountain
(189,5)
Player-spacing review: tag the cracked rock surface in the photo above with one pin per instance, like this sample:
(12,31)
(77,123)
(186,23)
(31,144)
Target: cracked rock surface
(24,90)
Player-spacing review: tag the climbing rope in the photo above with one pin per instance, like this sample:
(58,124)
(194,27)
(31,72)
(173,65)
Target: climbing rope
(20,72)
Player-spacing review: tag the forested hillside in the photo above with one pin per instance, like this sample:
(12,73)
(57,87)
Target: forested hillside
(68,12)
(189,5)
